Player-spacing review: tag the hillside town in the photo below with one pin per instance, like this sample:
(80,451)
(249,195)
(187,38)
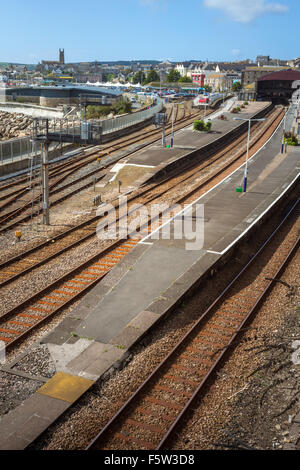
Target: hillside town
(218,76)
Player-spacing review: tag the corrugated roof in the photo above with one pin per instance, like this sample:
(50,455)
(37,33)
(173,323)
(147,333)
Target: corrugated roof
(288,75)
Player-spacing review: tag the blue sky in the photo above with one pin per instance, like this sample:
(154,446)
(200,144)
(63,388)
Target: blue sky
(177,30)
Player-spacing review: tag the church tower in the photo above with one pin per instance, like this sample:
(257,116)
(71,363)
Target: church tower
(61,56)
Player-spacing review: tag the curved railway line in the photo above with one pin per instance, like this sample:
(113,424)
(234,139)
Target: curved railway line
(59,168)
(18,322)
(26,261)
(153,415)
(65,173)
(70,165)
(75,163)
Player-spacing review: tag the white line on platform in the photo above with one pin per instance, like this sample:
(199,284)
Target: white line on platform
(211,189)
(221,182)
(136,164)
(258,218)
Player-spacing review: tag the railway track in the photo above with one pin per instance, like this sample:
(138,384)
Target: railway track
(153,415)
(80,161)
(35,257)
(17,323)
(29,205)
(5,218)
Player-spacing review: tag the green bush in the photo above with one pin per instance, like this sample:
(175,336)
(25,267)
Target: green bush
(185,79)
(245,103)
(291,140)
(122,107)
(200,125)
(208,126)
(96,112)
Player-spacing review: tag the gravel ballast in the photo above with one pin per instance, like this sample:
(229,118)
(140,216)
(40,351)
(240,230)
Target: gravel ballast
(81,423)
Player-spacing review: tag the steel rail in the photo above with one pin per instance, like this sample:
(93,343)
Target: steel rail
(27,217)
(119,416)
(70,274)
(143,192)
(14,212)
(63,167)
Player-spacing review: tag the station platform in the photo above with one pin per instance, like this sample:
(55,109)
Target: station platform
(187,139)
(188,143)
(148,278)
(148,284)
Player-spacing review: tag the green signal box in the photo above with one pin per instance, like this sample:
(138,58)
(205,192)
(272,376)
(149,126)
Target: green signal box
(239,190)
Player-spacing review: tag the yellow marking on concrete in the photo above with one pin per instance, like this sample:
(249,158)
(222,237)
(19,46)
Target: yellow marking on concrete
(65,387)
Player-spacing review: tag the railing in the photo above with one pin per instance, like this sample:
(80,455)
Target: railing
(23,147)
(115,124)
(16,148)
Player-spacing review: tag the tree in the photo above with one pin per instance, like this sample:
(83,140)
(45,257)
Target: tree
(207,88)
(173,76)
(185,79)
(152,76)
(139,77)
(110,77)
(236,86)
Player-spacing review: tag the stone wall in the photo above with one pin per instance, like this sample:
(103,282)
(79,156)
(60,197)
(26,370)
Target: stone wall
(14,125)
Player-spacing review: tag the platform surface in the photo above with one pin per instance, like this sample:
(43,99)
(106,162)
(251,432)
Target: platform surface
(187,139)
(154,266)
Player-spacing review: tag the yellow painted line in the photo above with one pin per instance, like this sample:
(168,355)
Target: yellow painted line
(65,387)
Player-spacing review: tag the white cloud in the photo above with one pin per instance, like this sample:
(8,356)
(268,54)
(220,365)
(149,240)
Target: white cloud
(245,11)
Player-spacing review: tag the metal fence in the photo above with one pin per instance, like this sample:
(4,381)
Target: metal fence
(16,149)
(115,124)
(23,147)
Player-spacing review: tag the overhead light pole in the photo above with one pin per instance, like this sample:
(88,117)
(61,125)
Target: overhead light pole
(172,134)
(282,142)
(248,142)
(160,83)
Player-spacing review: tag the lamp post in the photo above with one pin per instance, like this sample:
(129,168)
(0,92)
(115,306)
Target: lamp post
(45,181)
(282,142)
(160,83)
(248,142)
(172,134)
